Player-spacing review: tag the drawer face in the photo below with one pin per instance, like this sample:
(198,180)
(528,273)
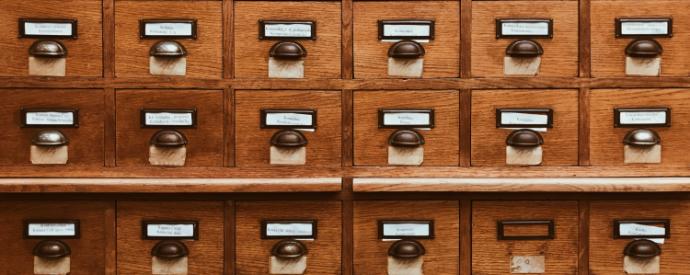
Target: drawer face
(609,52)
(489,142)
(204,54)
(606,252)
(442,53)
(371,252)
(560,53)
(516,254)
(253,251)
(88,250)
(205,254)
(85,147)
(322,58)
(441,142)
(254,139)
(607,141)
(204,142)
(84,54)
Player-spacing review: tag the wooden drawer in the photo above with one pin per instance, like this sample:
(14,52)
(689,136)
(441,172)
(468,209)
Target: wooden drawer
(442,53)
(607,140)
(84,53)
(84,227)
(489,53)
(204,53)
(323,52)
(256,129)
(606,246)
(372,141)
(609,51)
(263,227)
(81,111)
(136,242)
(204,139)
(441,249)
(489,141)
(532,237)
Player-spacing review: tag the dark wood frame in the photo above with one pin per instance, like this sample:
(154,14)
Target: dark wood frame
(620,21)
(666,222)
(539,111)
(617,117)
(382,112)
(312,112)
(77,228)
(500,21)
(263,23)
(430,23)
(24,111)
(500,230)
(22,28)
(383,222)
(143,112)
(144,22)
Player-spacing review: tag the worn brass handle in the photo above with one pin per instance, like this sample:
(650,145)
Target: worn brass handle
(168,48)
(642,138)
(644,48)
(51,249)
(287,50)
(49,138)
(524,138)
(406,138)
(288,138)
(524,48)
(643,249)
(48,49)
(168,138)
(169,249)
(406,249)
(289,249)
(406,49)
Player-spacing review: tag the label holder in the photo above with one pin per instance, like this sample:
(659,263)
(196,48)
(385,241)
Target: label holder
(266,112)
(22,28)
(383,23)
(263,23)
(617,117)
(500,21)
(266,236)
(143,113)
(77,231)
(501,225)
(144,22)
(621,21)
(665,222)
(25,111)
(145,235)
(535,111)
(429,223)
(383,112)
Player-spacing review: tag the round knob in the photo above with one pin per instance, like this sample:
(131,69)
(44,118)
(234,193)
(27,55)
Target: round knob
(289,249)
(406,249)
(51,249)
(169,250)
(168,48)
(287,50)
(524,138)
(644,48)
(49,138)
(406,49)
(288,138)
(168,138)
(643,249)
(48,49)
(524,48)
(406,138)
(641,137)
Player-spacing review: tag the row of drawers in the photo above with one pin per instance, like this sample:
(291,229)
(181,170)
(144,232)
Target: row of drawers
(254,56)
(506,236)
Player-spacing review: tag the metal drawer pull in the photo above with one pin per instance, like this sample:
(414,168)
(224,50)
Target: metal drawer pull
(524,138)
(642,249)
(642,138)
(169,250)
(646,48)
(525,49)
(288,138)
(51,249)
(406,49)
(168,48)
(287,50)
(289,249)
(168,138)
(406,138)
(406,249)
(48,49)
(50,138)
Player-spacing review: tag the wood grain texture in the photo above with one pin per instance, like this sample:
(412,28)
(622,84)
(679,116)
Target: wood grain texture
(465,38)
(441,142)
(584,127)
(205,142)
(323,54)
(253,253)
(90,254)
(560,142)
(608,52)
(442,252)
(606,253)
(84,54)
(253,142)
(585,45)
(606,147)
(442,53)
(204,54)
(492,256)
(134,253)
(347,34)
(560,56)
(85,146)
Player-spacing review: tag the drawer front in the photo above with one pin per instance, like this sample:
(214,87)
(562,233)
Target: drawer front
(608,141)
(606,250)
(84,53)
(535,237)
(441,54)
(440,142)
(489,53)
(204,140)
(84,133)
(322,59)
(441,251)
(254,137)
(94,221)
(135,245)
(489,141)
(609,51)
(204,53)
(262,227)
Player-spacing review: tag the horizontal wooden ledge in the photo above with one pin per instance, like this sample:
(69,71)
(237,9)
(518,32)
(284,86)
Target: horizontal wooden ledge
(169,185)
(651,184)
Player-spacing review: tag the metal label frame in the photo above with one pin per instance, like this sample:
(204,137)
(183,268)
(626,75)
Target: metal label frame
(263,23)
(536,111)
(143,112)
(430,23)
(500,21)
(77,228)
(145,233)
(24,111)
(266,112)
(617,224)
(620,21)
(383,112)
(429,223)
(500,230)
(23,21)
(312,222)
(144,22)
(617,117)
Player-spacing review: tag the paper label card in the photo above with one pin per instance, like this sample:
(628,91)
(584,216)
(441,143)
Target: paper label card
(642,117)
(395,229)
(49,118)
(47,28)
(155,230)
(281,229)
(404,118)
(515,28)
(642,229)
(160,118)
(66,229)
(280,119)
(406,29)
(167,28)
(524,118)
(635,27)
(282,29)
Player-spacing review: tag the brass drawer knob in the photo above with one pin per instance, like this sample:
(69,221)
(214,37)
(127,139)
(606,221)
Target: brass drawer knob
(524,48)
(289,249)
(51,249)
(168,48)
(169,250)
(49,138)
(48,49)
(642,137)
(287,50)
(406,138)
(524,138)
(288,138)
(406,249)
(168,138)
(643,249)
(644,48)
(406,49)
